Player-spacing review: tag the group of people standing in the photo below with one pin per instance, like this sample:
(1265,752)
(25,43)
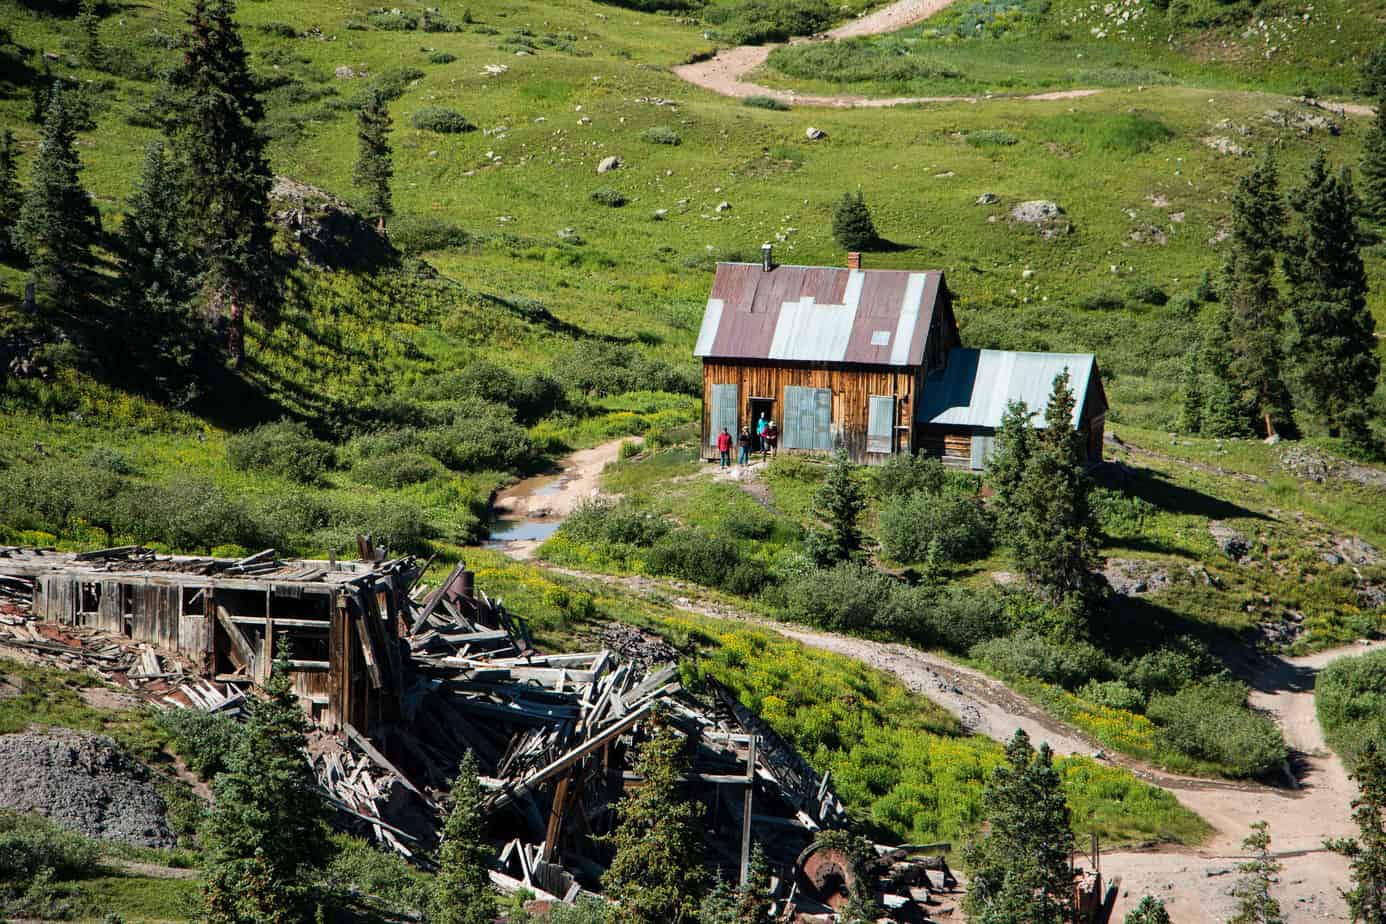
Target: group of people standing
(765,441)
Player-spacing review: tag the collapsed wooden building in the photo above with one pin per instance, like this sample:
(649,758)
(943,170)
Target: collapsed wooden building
(404,681)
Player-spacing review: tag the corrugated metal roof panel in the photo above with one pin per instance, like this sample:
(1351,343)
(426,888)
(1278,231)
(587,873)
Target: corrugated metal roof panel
(975,387)
(818,314)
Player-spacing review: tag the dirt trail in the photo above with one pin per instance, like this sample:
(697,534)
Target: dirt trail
(725,71)
(549,498)
(1194,883)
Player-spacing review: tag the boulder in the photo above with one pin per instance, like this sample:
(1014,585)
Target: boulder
(814,134)
(328,231)
(345,72)
(988,198)
(1044,216)
(609,164)
(1234,544)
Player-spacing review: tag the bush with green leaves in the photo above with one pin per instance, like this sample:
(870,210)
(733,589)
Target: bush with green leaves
(1210,721)
(481,437)
(202,739)
(611,198)
(600,368)
(531,396)
(397,469)
(415,234)
(394,523)
(623,522)
(696,556)
(187,512)
(394,20)
(286,448)
(50,495)
(358,867)
(1350,696)
(442,57)
(766,102)
(954,525)
(1114,694)
(959,618)
(757,22)
(1170,667)
(660,134)
(30,845)
(441,120)
(1029,654)
(990,137)
(848,597)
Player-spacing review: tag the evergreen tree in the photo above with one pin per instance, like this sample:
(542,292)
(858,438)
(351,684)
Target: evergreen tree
(1020,866)
(58,224)
(1366,900)
(1149,911)
(1195,399)
(1333,335)
(1011,451)
(1251,319)
(1374,73)
(657,875)
(853,228)
(11,196)
(1055,531)
(373,162)
(1373,166)
(841,501)
(41,90)
(266,833)
(1255,903)
(461,889)
(753,899)
(211,116)
(1226,411)
(89,27)
(158,276)
(719,906)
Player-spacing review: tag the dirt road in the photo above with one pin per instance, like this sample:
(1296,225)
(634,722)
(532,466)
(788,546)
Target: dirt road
(1194,883)
(547,499)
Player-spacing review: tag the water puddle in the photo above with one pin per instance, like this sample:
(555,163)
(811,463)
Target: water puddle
(522,531)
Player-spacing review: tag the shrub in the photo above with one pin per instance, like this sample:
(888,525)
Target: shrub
(600,368)
(990,137)
(415,234)
(30,845)
(109,460)
(611,198)
(204,740)
(396,524)
(849,597)
(286,448)
(441,57)
(1120,514)
(755,22)
(1350,696)
(394,20)
(434,21)
(1170,667)
(625,522)
(392,83)
(440,119)
(1114,694)
(857,60)
(961,618)
(397,470)
(1210,721)
(1028,654)
(904,474)
(187,512)
(357,866)
(1147,293)
(694,556)
(482,436)
(660,134)
(530,396)
(278,29)
(51,495)
(766,102)
(956,524)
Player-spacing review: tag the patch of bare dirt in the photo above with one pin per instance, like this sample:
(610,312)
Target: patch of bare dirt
(553,497)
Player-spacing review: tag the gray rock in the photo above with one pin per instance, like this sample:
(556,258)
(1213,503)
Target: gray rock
(1036,211)
(85,783)
(1131,577)
(814,134)
(345,72)
(988,198)
(1233,544)
(609,164)
(724,206)
(1225,145)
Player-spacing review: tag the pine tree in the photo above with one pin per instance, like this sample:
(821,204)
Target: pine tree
(1149,911)
(1054,530)
(1333,335)
(158,275)
(89,27)
(1020,866)
(1255,903)
(753,901)
(41,91)
(11,196)
(462,890)
(853,228)
(1366,900)
(719,906)
(657,873)
(211,117)
(58,224)
(1195,399)
(1373,166)
(266,833)
(1251,319)
(1373,83)
(841,501)
(1014,444)
(373,165)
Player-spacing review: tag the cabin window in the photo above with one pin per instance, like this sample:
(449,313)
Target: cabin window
(880,426)
(807,418)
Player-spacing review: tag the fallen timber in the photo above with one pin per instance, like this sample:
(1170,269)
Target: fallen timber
(403,680)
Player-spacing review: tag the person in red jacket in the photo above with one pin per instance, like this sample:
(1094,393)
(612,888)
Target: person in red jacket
(724,445)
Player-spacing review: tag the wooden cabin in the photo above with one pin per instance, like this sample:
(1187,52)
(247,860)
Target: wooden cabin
(341,620)
(836,356)
(963,402)
(868,361)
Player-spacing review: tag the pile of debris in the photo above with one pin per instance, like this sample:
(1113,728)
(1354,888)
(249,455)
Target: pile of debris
(556,736)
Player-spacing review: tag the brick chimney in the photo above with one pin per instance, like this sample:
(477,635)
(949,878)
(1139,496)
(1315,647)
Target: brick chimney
(853,260)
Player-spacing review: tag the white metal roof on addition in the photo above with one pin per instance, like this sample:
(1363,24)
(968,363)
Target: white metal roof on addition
(975,387)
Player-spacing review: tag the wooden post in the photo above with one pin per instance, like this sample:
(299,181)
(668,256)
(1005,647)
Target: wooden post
(746,816)
(267,643)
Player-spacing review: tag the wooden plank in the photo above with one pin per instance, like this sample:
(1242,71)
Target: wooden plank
(242,655)
(367,646)
(364,744)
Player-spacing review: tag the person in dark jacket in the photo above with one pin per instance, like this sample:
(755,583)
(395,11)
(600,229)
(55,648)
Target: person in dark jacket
(724,445)
(743,446)
(770,439)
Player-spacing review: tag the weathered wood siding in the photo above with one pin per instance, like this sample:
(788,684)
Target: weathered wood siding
(851,387)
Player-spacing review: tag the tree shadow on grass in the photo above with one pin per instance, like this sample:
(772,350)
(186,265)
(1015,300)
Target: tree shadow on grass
(1157,489)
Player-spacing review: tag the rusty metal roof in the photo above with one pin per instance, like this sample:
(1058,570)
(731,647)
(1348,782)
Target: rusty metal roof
(819,314)
(976,385)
